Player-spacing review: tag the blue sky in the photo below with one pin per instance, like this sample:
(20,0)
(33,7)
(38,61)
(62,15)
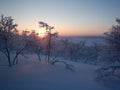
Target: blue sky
(69,17)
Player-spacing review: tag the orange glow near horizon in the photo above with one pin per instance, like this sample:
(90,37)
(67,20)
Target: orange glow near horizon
(67,31)
(80,32)
(69,17)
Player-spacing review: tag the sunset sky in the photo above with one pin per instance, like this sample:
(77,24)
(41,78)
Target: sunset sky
(69,17)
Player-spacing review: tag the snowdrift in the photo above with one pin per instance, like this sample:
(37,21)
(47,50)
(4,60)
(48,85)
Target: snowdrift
(44,76)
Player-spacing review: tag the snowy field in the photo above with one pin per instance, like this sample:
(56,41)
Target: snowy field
(30,74)
(89,40)
(33,75)
(36,76)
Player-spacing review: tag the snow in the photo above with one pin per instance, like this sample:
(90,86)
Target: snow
(89,40)
(44,76)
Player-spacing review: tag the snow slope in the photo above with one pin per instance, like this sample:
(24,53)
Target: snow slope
(44,76)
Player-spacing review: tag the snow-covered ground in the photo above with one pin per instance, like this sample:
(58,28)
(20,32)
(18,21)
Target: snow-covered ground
(30,74)
(89,40)
(34,75)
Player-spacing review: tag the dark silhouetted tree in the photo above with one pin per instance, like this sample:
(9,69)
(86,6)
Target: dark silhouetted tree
(7,33)
(113,43)
(34,44)
(111,53)
(49,36)
(11,43)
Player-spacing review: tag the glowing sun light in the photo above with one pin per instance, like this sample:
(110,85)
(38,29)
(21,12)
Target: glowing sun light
(42,32)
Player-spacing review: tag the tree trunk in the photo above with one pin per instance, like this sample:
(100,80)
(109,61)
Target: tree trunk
(15,58)
(39,57)
(49,47)
(9,61)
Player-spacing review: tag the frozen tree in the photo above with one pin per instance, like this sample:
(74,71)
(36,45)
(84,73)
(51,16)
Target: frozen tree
(19,46)
(35,44)
(110,54)
(51,46)
(81,50)
(49,36)
(7,32)
(113,44)
(65,50)
(73,50)
(11,43)
(92,53)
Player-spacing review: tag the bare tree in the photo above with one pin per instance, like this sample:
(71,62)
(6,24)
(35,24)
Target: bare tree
(34,44)
(49,36)
(10,40)
(19,46)
(7,33)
